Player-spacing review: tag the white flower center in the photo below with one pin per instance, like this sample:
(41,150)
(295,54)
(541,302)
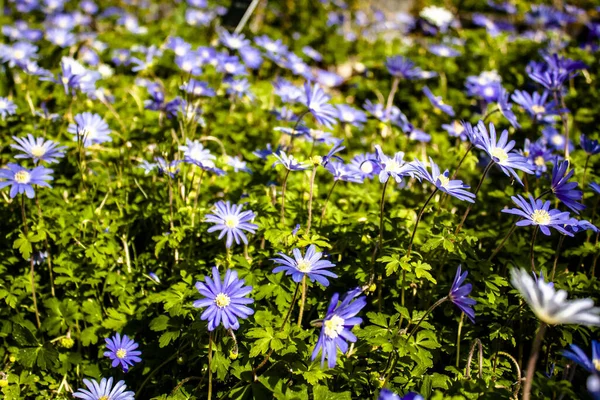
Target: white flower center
(19,54)
(557,140)
(222,300)
(458,128)
(121,353)
(538,109)
(444,180)
(499,154)
(304,266)
(230,68)
(366,167)
(22,177)
(334,326)
(392,166)
(38,151)
(231,221)
(186,66)
(488,91)
(540,217)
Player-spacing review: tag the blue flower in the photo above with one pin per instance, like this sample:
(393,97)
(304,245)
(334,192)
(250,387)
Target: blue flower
(576,354)
(239,88)
(351,115)
(437,102)
(230,65)
(168,168)
(595,187)
(104,390)
(342,172)
(311,265)
(60,37)
(7,107)
(22,179)
(365,165)
(238,164)
(317,103)
(386,394)
(270,45)
(289,162)
(188,63)
(337,325)
(443,50)
(89,129)
(537,106)
(506,108)
(537,212)
(564,190)
(122,350)
(312,53)
(178,45)
(230,220)
(393,115)
(500,151)
(38,149)
(459,294)
(226,300)
(537,155)
(590,146)
(251,57)
(402,67)
(198,88)
(443,182)
(394,167)
(195,153)
(555,139)
(456,129)
(486,85)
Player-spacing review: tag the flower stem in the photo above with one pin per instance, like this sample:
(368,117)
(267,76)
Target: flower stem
(462,160)
(501,245)
(31,264)
(565,122)
(390,98)
(460,325)
(326,202)
(556,256)
(533,236)
(210,344)
(283,187)
(302,301)
(464,218)
(197,197)
(587,160)
(295,127)
(419,216)
(49,256)
(535,350)
(380,241)
(171,203)
(310,199)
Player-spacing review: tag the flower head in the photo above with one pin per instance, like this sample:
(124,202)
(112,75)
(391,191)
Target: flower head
(442,181)
(537,212)
(195,153)
(564,190)
(351,115)
(386,394)
(402,67)
(500,151)
(90,129)
(337,325)
(22,179)
(506,108)
(589,145)
(225,300)
(318,105)
(365,165)
(122,350)
(459,294)
(104,390)
(289,162)
(551,306)
(394,167)
(230,220)
(537,106)
(38,149)
(437,102)
(577,355)
(311,265)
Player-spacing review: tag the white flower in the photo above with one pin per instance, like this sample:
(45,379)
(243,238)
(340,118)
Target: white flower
(438,16)
(551,306)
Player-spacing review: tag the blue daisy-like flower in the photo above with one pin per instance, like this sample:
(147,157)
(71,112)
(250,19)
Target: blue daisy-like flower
(311,265)
(442,181)
(7,107)
(234,41)
(386,394)
(536,105)
(443,51)
(576,354)
(437,102)
(230,220)
(21,179)
(564,190)
(537,212)
(590,146)
(595,187)
(337,325)
(459,294)
(122,351)
(104,390)
(505,108)
(289,162)
(342,172)
(225,300)
(402,67)
(501,151)
(38,149)
(394,167)
(318,105)
(195,153)
(351,115)
(365,165)
(90,128)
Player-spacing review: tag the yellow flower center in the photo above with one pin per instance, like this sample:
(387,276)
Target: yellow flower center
(499,154)
(19,54)
(121,353)
(443,180)
(38,151)
(334,326)
(539,161)
(458,128)
(392,166)
(540,217)
(231,221)
(538,109)
(304,266)
(557,140)
(22,177)
(103,398)
(222,300)
(597,364)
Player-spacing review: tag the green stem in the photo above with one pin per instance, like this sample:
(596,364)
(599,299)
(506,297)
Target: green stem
(31,264)
(587,160)
(310,198)
(419,216)
(464,218)
(535,350)
(296,127)
(460,325)
(390,98)
(327,202)
(556,256)
(462,160)
(210,344)
(302,301)
(283,187)
(501,245)
(533,236)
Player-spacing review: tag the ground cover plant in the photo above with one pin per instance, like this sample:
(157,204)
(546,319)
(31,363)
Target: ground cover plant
(321,201)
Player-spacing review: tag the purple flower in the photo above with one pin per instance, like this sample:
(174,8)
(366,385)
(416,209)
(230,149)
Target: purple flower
(590,146)
(443,50)
(289,162)
(22,179)
(104,390)
(226,300)
(459,294)
(437,102)
(386,394)
(90,129)
(577,355)
(402,67)
(38,149)
(342,172)
(394,167)
(506,108)
(310,265)
(7,107)
(537,106)
(337,325)
(230,220)
(317,103)
(537,212)
(564,190)
(122,350)
(365,165)
(195,153)
(442,182)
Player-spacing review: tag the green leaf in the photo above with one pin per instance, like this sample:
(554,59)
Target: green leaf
(167,338)
(159,323)
(23,244)
(323,393)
